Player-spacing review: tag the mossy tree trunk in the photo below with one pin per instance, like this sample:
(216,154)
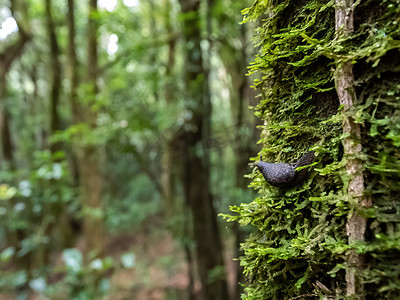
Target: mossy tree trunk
(308,233)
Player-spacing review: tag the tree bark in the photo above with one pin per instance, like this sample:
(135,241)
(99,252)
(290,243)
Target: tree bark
(196,161)
(6,143)
(55,72)
(89,171)
(244,146)
(73,63)
(167,174)
(344,81)
(235,63)
(91,179)
(7,57)
(10,53)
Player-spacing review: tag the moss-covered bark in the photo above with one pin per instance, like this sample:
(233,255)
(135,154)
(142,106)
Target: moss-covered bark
(301,243)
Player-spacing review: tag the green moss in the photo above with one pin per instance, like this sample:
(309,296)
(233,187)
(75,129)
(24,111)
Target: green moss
(301,239)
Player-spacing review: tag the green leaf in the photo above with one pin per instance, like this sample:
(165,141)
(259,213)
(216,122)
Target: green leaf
(7,192)
(7,254)
(303,279)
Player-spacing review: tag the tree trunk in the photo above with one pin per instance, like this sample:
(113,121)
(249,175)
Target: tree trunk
(344,81)
(167,174)
(5,134)
(196,172)
(89,172)
(55,72)
(6,143)
(73,63)
(244,141)
(91,179)
(9,54)
(245,145)
(91,183)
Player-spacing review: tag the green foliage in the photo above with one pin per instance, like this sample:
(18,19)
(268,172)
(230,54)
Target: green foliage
(81,281)
(301,238)
(30,213)
(138,108)
(135,203)
(33,203)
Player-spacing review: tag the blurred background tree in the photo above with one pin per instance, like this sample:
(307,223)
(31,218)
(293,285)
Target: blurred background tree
(125,129)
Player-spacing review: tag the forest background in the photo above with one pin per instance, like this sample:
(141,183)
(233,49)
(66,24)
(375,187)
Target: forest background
(125,129)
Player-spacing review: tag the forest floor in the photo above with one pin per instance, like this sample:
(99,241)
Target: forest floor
(160,270)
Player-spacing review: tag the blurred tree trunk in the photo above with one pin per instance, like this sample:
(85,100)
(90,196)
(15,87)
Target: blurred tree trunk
(89,171)
(10,53)
(169,160)
(167,175)
(7,56)
(153,52)
(244,138)
(73,63)
(6,144)
(55,73)
(196,174)
(91,179)
(59,227)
